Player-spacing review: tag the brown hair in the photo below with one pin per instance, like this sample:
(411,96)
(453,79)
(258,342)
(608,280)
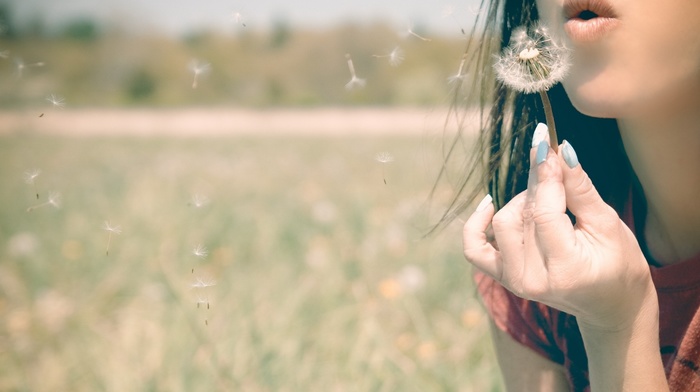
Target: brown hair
(499,161)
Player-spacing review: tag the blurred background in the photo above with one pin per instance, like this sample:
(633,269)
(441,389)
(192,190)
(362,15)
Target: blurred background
(201,195)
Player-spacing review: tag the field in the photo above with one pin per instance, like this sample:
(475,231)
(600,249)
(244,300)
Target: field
(232,263)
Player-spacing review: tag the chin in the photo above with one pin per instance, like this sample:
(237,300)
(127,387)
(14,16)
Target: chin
(594,102)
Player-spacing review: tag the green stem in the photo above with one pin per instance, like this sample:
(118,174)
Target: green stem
(549,115)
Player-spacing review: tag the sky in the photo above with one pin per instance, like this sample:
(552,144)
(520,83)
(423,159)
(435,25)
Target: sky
(182,16)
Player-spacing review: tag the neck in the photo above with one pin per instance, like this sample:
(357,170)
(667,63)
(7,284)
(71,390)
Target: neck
(665,155)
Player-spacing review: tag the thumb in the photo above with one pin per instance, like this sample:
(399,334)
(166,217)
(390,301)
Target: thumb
(582,199)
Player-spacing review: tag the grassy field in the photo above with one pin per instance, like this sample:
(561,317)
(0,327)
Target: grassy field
(231,264)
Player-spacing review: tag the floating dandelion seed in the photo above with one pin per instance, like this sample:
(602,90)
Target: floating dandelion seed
(450,11)
(200,283)
(534,62)
(200,251)
(198,69)
(396,56)
(384,158)
(202,301)
(238,18)
(198,200)
(116,230)
(4,54)
(30,178)
(54,200)
(459,76)
(354,80)
(409,31)
(56,100)
(20,66)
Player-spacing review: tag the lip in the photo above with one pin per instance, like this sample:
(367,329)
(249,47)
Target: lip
(589,20)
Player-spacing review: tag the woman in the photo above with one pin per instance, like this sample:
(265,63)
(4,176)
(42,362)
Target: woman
(588,258)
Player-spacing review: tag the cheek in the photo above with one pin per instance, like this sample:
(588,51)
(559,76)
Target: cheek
(635,79)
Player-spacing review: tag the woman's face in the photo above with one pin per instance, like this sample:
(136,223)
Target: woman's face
(630,57)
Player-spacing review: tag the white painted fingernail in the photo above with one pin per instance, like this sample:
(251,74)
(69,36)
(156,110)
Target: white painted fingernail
(540,134)
(484,203)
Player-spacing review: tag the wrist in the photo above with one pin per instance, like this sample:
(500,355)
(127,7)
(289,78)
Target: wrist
(627,358)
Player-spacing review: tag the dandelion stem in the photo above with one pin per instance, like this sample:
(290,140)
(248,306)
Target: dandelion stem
(549,115)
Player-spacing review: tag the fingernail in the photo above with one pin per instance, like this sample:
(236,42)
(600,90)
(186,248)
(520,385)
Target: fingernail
(569,155)
(484,203)
(542,150)
(541,132)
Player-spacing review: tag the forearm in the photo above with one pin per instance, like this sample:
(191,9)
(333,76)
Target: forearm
(628,359)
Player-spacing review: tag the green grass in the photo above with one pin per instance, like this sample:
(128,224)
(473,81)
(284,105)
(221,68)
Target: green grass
(306,244)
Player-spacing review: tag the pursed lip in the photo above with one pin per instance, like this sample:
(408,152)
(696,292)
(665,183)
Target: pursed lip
(575,9)
(588,20)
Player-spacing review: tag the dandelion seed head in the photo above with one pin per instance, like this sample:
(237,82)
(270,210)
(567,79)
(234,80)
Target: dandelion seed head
(200,283)
(54,199)
(56,100)
(199,200)
(354,83)
(533,61)
(396,57)
(200,251)
(384,157)
(112,229)
(198,67)
(31,175)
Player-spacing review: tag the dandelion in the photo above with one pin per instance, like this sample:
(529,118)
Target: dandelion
(54,201)
(200,283)
(21,66)
(384,158)
(354,80)
(396,56)
(111,230)
(30,178)
(532,63)
(198,200)
(198,69)
(56,100)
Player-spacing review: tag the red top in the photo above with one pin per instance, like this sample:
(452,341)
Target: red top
(555,334)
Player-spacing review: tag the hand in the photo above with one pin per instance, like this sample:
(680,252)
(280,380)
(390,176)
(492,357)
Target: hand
(593,269)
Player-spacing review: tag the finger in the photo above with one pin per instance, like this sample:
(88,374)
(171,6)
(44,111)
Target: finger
(553,230)
(476,244)
(582,198)
(508,231)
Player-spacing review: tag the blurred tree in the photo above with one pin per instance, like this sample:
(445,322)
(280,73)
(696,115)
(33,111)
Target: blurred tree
(82,29)
(141,86)
(8,29)
(281,34)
